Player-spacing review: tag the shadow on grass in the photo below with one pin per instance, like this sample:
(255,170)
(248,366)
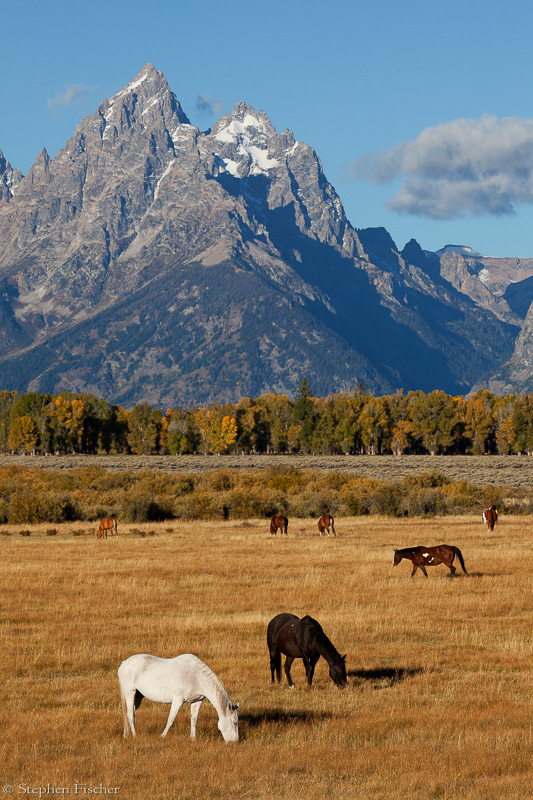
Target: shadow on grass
(486,574)
(255,719)
(384,677)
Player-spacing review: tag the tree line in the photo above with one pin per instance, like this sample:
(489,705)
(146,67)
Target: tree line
(354,422)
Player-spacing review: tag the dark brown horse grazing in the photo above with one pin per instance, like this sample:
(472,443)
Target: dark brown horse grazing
(280,522)
(324,523)
(490,517)
(305,639)
(107,524)
(430,557)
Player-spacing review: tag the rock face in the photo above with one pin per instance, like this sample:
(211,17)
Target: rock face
(9,180)
(516,376)
(151,261)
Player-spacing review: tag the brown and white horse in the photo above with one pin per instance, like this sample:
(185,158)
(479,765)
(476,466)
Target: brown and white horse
(422,557)
(107,524)
(490,517)
(325,523)
(280,522)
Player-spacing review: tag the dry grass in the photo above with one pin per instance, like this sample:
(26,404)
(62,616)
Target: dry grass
(438,702)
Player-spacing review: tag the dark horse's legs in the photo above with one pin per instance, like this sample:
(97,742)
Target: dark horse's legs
(310,664)
(275,665)
(452,571)
(287,668)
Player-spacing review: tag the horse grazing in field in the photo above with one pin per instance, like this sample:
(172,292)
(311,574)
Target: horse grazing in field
(302,638)
(107,524)
(430,557)
(490,517)
(324,523)
(184,679)
(280,522)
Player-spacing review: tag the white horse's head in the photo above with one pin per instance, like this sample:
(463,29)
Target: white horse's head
(228,725)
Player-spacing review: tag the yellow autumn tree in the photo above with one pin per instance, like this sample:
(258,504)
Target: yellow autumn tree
(218,431)
(228,432)
(66,420)
(23,434)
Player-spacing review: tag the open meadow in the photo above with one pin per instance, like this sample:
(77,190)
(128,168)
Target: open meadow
(438,703)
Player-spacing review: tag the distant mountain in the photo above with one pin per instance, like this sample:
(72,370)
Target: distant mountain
(151,261)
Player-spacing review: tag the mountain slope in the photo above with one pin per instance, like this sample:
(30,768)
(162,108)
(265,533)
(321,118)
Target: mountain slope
(151,261)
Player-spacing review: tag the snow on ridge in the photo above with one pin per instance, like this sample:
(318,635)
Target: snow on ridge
(460,249)
(230,166)
(236,128)
(182,132)
(261,161)
(152,102)
(133,85)
(238,133)
(484,275)
(165,173)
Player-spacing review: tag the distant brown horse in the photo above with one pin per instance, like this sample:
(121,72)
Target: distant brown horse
(490,517)
(280,522)
(324,523)
(107,524)
(430,557)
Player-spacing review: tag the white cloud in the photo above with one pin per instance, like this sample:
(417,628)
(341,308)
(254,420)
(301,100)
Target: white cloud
(75,94)
(464,166)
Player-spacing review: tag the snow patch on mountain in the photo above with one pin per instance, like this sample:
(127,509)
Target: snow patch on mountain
(236,129)
(460,249)
(245,138)
(165,173)
(132,86)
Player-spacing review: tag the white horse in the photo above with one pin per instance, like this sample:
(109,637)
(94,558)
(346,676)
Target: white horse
(184,679)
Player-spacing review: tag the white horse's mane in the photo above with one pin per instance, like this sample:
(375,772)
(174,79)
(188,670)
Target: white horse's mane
(216,683)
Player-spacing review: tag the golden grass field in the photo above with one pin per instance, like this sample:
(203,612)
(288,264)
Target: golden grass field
(439,697)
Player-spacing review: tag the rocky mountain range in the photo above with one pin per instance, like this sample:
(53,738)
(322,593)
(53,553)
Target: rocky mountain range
(151,261)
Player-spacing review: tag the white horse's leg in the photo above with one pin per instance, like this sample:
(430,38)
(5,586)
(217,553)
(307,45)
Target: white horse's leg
(177,703)
(128,711)
(195,710)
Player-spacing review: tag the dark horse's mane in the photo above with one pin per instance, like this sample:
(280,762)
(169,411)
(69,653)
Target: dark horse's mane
(310,627)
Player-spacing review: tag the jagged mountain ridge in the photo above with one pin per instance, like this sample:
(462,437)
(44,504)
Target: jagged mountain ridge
(151,261)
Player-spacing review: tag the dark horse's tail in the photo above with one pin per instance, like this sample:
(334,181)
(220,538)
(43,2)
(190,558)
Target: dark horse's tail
(460,557)
(275,655)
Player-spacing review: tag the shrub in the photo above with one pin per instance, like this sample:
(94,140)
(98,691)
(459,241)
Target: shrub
(200,505)
(385,499)
(27,506)
(144,508)
(314,504)
(424,503)
(284,479)
(253,501)
(221,480)
(425,480)
(4,505)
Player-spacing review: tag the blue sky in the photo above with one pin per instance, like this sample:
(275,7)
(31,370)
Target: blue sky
(421,113)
